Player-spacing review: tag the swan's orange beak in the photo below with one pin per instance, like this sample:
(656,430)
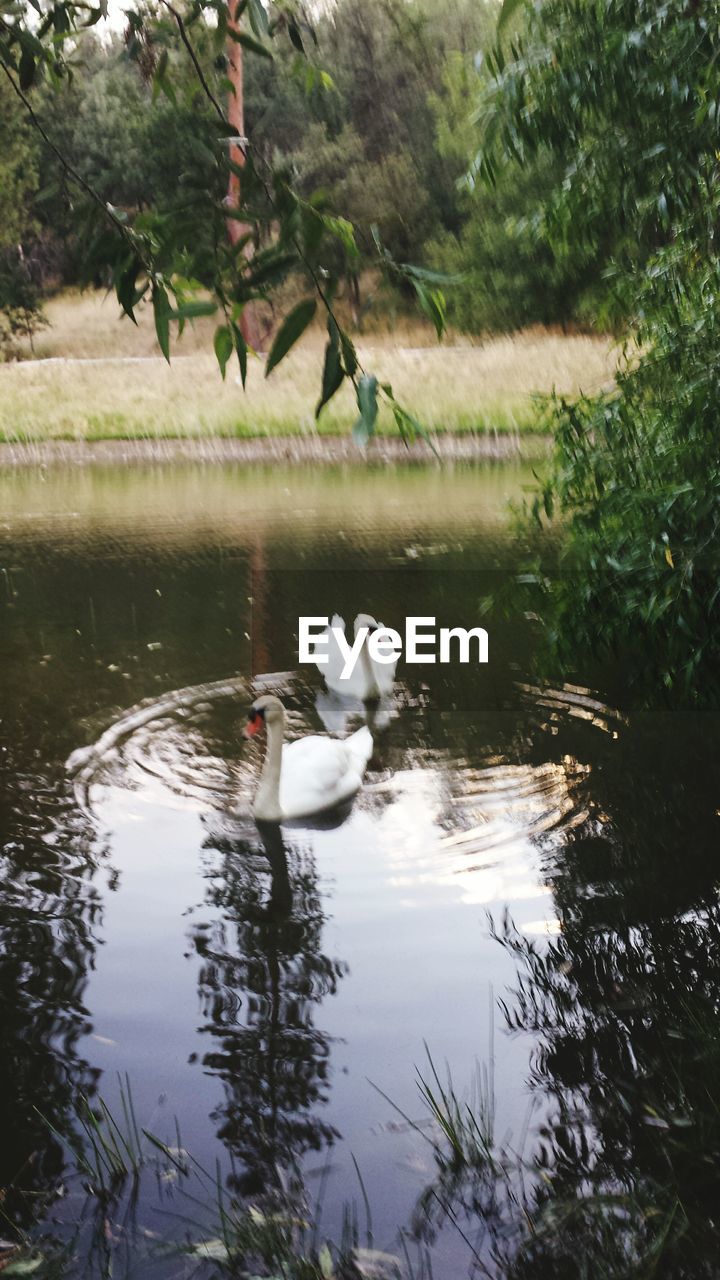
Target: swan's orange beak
(254,724)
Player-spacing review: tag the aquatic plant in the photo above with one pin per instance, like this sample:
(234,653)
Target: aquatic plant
(615,1174)
(123,1176)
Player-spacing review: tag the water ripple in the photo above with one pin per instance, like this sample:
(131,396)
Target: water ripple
(159,748)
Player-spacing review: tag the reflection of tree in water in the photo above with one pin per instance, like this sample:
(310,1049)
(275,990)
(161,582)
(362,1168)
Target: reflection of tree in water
(262,976)
(624,1179)
(48,910)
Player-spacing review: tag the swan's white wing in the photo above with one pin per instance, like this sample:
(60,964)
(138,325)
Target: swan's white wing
(355,686)
(318,773)
(384,672)
(330,670)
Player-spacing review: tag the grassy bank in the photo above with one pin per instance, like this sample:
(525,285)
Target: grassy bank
(95,377)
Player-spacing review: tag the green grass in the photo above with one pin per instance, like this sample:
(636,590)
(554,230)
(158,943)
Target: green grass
(106,382)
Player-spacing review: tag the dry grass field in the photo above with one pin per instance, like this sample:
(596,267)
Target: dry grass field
(95,376)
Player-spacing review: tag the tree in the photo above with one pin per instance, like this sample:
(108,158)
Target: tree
(510,272)
(625,96)
(181,258)
(19,297)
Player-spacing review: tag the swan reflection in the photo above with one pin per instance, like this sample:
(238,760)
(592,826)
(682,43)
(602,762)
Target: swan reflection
(262,979)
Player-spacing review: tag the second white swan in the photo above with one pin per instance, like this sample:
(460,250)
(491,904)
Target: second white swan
(370,679)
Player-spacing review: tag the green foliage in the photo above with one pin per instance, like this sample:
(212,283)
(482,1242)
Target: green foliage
(144,180)
(625,95)
(19,296)
(290,331)
(18,171)
(20,313)
(364,427)
(511,273)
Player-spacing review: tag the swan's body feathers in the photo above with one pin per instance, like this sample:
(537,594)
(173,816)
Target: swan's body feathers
(319,773)
(306,777)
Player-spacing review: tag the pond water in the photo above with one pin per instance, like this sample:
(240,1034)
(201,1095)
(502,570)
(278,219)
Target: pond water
(271,998)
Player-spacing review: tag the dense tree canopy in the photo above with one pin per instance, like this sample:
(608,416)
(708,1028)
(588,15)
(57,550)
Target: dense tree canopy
(626,94)
(374,113)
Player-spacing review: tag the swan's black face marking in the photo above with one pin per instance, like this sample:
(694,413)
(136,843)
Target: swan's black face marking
(256,721)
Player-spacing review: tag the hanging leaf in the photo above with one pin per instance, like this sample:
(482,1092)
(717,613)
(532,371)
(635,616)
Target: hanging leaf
(249,43)
(224,346)
(125,287)
(27,69)
(327,1270)
(364,427)
(295,37)
(193,309)
(428,276)
(432,302)
(242,352)
(349,354)
(343,231)
(270,267)
(333,372)
(292,328)
(161,309)
(409,427)
(259,21)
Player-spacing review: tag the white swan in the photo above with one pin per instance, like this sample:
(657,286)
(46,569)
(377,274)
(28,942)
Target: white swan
(308,776)
(370,679)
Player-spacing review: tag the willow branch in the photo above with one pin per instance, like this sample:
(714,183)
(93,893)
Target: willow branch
(182,29)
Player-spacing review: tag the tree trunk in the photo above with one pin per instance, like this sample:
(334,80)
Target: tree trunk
(249,326)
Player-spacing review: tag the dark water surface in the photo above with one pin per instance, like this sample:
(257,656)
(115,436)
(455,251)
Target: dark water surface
(258,992)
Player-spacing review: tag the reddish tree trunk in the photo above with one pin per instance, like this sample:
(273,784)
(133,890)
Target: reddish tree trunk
(236,117)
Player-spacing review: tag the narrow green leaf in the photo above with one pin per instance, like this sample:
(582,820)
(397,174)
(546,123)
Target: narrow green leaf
(27,69)
(432,302)
(349,354)
(242,352)
(344,231)
(290,330)
(224,345)
(125,288)
(161,309)
(295,37)
(193,309)
(250,43)
(428,276)
(259,21)
(270,268)
(333,372)
(409,427)
(367,404)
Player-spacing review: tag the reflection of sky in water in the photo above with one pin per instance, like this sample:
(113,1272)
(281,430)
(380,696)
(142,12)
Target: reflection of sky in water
(476,835)
(461,814)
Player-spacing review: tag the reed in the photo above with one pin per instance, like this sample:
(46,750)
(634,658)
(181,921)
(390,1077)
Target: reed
(128,1173)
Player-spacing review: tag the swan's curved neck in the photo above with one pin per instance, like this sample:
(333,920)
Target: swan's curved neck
(267,796)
